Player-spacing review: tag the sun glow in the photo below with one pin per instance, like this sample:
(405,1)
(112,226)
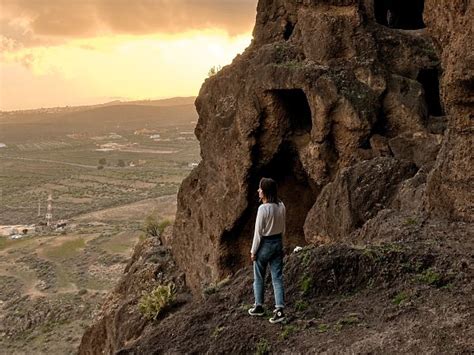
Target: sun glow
(84,71)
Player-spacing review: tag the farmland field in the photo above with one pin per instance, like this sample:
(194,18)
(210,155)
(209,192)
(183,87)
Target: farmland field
(63,155)
(106,169)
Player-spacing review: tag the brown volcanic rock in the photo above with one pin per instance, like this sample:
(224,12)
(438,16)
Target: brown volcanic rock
(355,196)
(420,148)
(302,102)
(451,184)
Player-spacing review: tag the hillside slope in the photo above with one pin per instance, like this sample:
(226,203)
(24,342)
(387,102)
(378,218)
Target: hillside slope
(409,294)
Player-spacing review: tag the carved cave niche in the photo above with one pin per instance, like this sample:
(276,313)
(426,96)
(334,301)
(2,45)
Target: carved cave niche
(295,188)
(429,79)
(400,14)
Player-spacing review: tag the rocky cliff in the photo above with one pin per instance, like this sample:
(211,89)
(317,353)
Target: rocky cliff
(364,117)
(345,112)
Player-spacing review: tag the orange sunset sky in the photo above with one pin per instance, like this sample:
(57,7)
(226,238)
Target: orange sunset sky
(75,52)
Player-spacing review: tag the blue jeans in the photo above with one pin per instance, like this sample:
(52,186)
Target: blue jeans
(269,252)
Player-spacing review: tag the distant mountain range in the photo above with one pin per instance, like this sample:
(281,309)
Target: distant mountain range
(117,116)
(175,101)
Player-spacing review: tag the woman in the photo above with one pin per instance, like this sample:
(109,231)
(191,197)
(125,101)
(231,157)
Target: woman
(267,248)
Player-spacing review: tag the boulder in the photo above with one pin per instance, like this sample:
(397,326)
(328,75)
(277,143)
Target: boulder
(355,196)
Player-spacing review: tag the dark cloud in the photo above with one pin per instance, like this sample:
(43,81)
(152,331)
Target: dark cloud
(86,18)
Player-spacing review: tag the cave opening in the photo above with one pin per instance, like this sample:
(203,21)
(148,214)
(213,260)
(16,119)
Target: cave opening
(429,79)
(293,105)
(401,14)
(289,27)
(291,109)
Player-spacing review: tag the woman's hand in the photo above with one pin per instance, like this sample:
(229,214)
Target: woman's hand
(253,257)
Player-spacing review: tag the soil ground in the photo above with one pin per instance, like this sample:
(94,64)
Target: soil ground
(409,295)
(53,285)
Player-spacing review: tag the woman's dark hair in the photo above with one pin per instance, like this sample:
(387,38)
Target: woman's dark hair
(269,189)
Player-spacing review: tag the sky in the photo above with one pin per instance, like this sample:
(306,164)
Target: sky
(78,52)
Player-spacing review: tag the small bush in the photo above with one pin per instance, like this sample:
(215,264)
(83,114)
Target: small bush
(323,328)
(217,331)
(429,277)
(352,318)
(306,258)
(400,298)
(153,303)
(306,283)
(214,70)
(287,331)
(216,286)
(152,227)
(263,347)
(301,306)
(411,221)
(162,225)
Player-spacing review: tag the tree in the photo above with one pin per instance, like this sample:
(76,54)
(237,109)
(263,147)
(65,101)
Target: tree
(121,163)
(102,161)
(214,70)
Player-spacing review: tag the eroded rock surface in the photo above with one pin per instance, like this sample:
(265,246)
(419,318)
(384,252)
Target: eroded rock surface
(451,185)
(322,87)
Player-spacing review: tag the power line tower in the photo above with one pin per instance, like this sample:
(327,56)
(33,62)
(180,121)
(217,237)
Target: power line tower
(49,211)
(39,206)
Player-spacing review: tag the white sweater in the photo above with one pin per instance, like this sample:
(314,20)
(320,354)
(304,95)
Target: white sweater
(270,221)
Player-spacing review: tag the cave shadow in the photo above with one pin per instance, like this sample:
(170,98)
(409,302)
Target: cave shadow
(295,188)
(400,14)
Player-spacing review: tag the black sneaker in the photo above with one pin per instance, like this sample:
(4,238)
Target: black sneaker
(257,311)
(278,316)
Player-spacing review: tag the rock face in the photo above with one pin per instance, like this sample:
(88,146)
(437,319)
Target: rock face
(450,185)
(324,87)
(356,195)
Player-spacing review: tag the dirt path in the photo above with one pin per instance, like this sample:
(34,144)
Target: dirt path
(62,162)
(164,207)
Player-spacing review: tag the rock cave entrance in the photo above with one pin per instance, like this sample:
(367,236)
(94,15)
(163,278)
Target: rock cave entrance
(289,27)
(292,106)
(401,14)
(291,109)
(429,79)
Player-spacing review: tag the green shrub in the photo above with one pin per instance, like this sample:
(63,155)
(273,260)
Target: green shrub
(214,70)
(306,283)
(162,225)
(301,305)
(429,277)
(411,221)
(323,328)
(287,331)
(352,318)
(216,286)
(306,258)
(217,331)
(153,303)
(400,298)
(151,226)
(263,347)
